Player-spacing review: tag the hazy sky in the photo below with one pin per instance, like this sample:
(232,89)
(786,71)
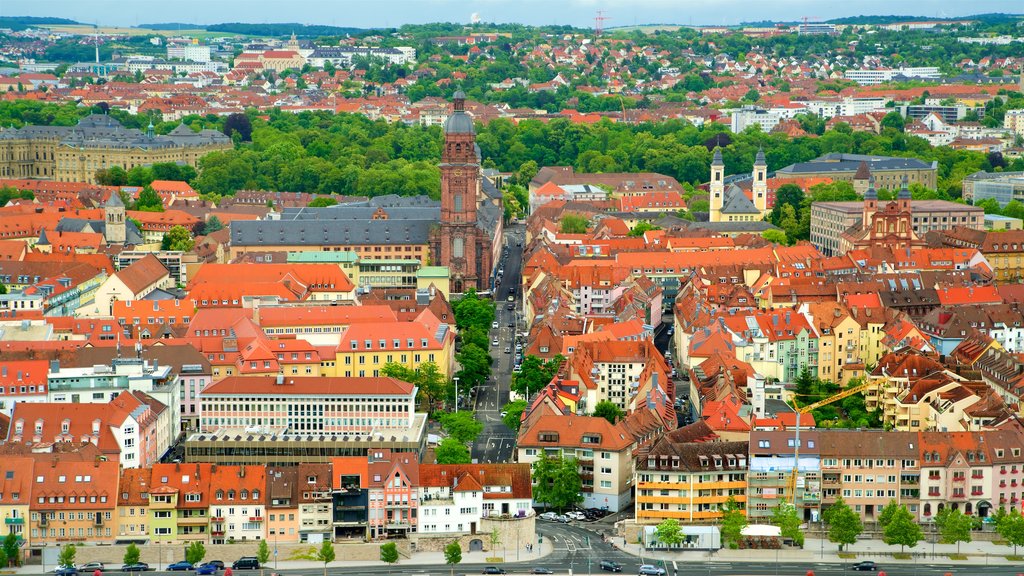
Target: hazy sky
(374,13)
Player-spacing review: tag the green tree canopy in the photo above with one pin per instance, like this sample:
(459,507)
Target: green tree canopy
(389,553)
(513,414)
(66,557)
(733,522)
(131,554)
(149,201)
(453,554)
(573,224)
(954,527)
(641,228)
(786,517)
(608,410)
(451,451)
(1010,526)
(325,554)
(844,525)
(323,202)
(901,529)
(462,426)
(213,224)
(195,552)
(557,483)
(177,238)
(535,374)
(669,533)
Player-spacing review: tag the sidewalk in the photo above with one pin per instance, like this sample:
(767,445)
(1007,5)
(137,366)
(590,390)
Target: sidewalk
(415,559)
(816,550)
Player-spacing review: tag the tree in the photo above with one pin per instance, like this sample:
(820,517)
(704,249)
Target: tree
(557,482)
(954,527)
(263,554)
(476,365)
(733,522)
(787,195)
(325,554)
(788,520)
(535,374)
(472,310)
(453,554)
(844,525)
(894,120)
(212,225)
(238,123)
(513,414)
(66,557)
(776,236)
(887,513)
(462,426)
(495,538)
(451,451)
(902,529)
(669,533)
(323,202)
(131,554)
(389,554)
(607,410)
(195,552)
(641,228)
(149,201)
(11,549)
(1011,528)
(573,224)
(177,238)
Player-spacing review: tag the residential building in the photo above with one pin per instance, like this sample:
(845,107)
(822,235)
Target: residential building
(839,348)
(179,503)
(393,490)
(458,498)
(784,468)
(315,518)
(869,469)
(882,75)
(237,504)
(21,381)
(133,505)
(135,282)
(282,504)
(366,348)
(16,496)
(73,500)
(603,451)
(689,475)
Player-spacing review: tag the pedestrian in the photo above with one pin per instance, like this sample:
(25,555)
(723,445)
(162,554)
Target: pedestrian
(97,573)
(228,572)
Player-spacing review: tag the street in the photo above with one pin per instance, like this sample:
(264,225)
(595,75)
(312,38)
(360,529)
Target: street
(497,443)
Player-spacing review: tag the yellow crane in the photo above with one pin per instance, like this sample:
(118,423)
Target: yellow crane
(806,409)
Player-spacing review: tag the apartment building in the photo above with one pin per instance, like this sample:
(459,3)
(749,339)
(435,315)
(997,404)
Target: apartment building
(15,496)
(784,468)
(133,504)
(604,452)
(282,503)
(73,500)
(237,508)
(457,498)
(179,504)
(688,475)
(869,469)
(315,517)
(393,491)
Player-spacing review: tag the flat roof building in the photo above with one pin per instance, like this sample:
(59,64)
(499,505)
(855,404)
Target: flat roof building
(887,170)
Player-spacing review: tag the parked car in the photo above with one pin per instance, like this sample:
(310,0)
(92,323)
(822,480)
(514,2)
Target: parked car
(493,570)
(65,571)
(548,516)
(494,324)
(183,565)
(91,567)
(576,515)
(609,566)
(494,342)
(866,565)
(218,564)
(651,570)
(562,518)
(246,563)
(206,570)
(540,571)
(137,567)
(508,350)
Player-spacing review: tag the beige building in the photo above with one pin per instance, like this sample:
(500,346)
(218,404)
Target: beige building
(839,349)
(829,220)
(75,153)
(131,283)
(888,171)
(869,469)
(604,452)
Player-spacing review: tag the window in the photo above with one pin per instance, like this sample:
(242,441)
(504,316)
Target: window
(458,248)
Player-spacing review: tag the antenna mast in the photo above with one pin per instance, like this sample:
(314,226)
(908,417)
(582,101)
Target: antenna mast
(599,22)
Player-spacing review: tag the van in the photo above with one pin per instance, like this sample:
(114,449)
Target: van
(246,563)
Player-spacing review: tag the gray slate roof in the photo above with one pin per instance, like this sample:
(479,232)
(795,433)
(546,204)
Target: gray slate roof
(101,131)
(837,162)
(132,233)
(736,202)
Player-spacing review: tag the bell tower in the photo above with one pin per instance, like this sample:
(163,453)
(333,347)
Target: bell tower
(114,228)
(716,189)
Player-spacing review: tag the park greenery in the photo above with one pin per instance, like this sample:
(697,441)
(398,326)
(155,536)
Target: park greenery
(513,414)
(433,387)
(535,373)
(473,317)
(462,426)
(850,412)
(557,483)
(1010,526)
(608,410)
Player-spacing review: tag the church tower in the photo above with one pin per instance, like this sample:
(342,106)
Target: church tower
(716,188)
(760,186)
(870,204)
(461,246)
(114,231)
(903,197)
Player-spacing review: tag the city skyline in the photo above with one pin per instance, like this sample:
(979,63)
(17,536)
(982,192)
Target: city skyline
(578,13)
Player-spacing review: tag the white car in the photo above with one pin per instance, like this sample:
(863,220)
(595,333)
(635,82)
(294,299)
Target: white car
(548,516)
(494,324)
(576,515)
(494,342)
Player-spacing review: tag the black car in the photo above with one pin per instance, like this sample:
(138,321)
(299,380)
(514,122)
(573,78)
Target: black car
(137,567)
(246,563)
(493,570)
(610,566)
(866,565)
(65,571)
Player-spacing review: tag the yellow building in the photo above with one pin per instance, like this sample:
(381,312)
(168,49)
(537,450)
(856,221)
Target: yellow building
(15,496)
(75,153)
(1005,253)
(839,351)
(689,481)
(133,504)
(366,347)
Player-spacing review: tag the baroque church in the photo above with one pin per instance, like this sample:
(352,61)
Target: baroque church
(468,236)
(732,204)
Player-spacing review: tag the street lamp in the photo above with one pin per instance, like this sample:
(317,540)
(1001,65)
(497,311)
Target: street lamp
(456,380)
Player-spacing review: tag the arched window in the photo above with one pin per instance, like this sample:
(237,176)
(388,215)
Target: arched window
(458,248)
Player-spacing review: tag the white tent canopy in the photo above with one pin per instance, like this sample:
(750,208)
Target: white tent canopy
(762,530)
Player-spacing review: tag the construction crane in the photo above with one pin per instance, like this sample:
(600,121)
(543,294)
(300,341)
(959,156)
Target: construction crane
(599,23)
(806,409)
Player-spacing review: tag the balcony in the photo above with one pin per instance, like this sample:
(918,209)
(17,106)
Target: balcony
(959,479)
(216,532)
(255,518)
(15,521)
(216,519)
(958,496)
(193,520)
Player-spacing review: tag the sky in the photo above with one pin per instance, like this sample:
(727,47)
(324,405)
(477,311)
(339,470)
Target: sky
(392,13)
